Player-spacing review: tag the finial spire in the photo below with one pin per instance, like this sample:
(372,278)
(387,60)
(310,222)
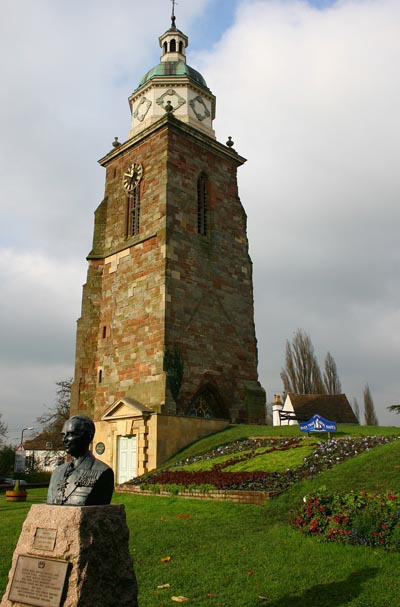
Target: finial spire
(174,2)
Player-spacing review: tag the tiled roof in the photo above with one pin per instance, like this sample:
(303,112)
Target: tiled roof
(333,407)
(41,442)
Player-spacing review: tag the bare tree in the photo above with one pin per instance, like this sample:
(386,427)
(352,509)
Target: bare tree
(369,409)
(356,409)
(331,377)
(53,419)
(3,430)
(301,373)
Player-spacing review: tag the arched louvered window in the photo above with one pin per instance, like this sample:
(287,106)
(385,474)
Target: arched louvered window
(165,46)
(181,47)
(172,46)
(133,215)
(202,203)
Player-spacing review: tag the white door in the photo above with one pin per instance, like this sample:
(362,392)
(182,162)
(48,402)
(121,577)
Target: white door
(126,458)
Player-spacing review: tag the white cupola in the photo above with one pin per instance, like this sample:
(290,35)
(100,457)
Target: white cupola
(172,86)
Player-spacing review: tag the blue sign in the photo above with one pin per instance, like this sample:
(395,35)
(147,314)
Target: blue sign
(317,424)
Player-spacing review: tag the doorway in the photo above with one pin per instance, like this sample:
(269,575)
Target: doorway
(127,451)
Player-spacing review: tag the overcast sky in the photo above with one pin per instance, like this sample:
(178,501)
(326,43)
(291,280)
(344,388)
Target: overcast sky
(309,92)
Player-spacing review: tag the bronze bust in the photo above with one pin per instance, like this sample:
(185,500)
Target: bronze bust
(85,480)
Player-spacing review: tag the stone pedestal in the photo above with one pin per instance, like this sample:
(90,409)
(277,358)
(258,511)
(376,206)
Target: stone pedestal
(93,540)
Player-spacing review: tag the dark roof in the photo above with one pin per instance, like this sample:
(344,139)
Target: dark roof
(41,442)
(333,407)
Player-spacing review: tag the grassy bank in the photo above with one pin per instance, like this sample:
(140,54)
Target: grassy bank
(237,556)
(233,555)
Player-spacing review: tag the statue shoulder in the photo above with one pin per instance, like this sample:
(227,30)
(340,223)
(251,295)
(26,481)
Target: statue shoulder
(98,465)
(59,470)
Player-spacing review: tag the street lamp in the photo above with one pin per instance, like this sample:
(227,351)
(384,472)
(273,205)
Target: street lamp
(19,458)
(22,434)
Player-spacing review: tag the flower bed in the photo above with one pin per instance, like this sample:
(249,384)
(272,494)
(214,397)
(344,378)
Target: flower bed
(325,455)
(353,518)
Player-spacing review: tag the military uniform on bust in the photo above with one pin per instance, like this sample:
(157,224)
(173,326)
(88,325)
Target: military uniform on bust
(85,480)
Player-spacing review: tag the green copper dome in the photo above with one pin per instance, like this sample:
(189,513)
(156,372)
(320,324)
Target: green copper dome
(175,69)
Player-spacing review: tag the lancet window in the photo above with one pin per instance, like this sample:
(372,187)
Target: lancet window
(202,204)
(133,215)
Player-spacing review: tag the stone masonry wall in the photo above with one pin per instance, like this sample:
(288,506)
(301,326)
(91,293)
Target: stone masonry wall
(210,316)
(169,286)
(120,336)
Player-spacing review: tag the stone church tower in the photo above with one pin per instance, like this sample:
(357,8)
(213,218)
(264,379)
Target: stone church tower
(166,332)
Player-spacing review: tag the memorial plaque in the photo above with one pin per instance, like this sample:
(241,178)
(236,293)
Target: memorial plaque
(38,581)
(100,448)
(45,539)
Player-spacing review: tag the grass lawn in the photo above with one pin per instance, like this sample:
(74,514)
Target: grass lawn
(241,431)
(262,460)
(246,556)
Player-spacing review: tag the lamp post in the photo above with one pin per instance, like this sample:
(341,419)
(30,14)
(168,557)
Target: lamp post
(19,461)
(22,435)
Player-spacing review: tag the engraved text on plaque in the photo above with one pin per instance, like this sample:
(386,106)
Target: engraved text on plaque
(45,539)
(38,581)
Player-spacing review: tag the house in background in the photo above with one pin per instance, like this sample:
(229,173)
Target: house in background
(41,454)
(301,407)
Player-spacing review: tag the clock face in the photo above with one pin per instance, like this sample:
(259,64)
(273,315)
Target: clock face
(132,177)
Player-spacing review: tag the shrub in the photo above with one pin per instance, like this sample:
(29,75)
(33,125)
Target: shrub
(354,518)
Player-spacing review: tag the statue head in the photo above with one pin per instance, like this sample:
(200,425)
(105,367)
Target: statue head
(77,434)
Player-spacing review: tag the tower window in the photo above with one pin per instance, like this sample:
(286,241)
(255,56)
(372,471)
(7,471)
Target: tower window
(104,331)
(165,46)
(202,205)
(207,403)
(181,47)
(133,223)
(100,376)
(172,46)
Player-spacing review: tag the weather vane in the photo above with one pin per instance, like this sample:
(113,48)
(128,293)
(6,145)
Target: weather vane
(174,2)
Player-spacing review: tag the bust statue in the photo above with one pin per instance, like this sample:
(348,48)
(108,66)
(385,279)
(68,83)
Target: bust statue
(84,480)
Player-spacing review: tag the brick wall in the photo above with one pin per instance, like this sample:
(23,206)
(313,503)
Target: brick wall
(169,286)
(256,498)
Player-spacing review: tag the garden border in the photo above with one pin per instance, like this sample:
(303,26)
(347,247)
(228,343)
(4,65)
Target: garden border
(257,498)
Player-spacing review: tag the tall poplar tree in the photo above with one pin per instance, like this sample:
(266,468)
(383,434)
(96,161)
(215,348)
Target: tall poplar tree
(369,408)
(301,373)
(331,377)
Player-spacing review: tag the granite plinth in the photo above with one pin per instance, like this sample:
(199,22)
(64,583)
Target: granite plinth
(94,541)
